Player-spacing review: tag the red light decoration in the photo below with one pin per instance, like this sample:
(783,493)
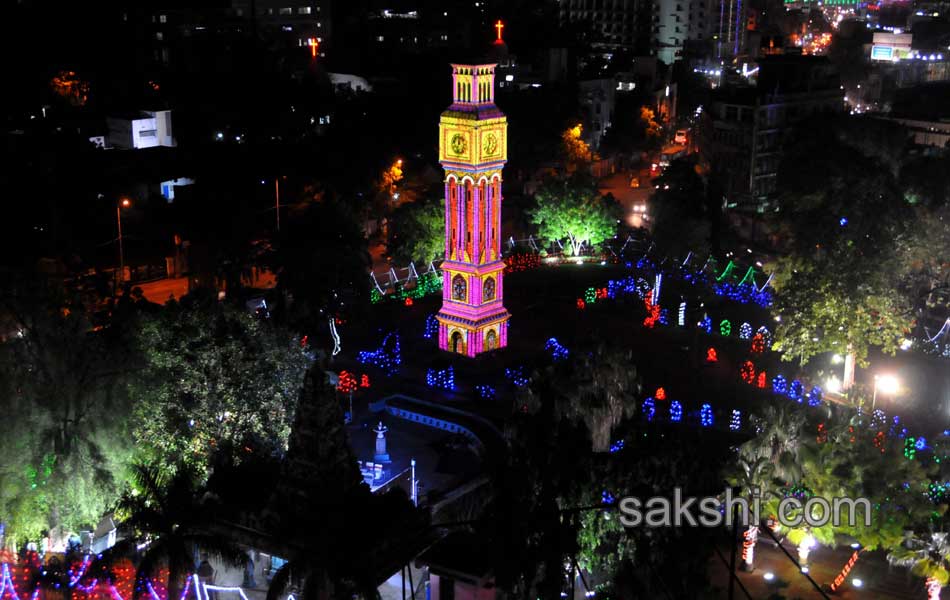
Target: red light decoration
(660,394)
(822,434)
(408,302)
(602,293)
(761,382)
(879,441)
(522,262)
(758,344)
(364,381)
(581,304)
(711,355)
(851,432)
(346,383)
(747,372)
(653,311)
(303,341)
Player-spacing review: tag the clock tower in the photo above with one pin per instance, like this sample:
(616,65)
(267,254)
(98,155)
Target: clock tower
(473,150)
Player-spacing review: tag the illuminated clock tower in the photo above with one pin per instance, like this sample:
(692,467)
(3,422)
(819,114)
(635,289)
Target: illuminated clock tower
(473,151)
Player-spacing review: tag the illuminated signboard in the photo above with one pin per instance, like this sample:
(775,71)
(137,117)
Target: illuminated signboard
(882,53)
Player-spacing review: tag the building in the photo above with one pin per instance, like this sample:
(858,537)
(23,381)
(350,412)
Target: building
(730,24)
(935,134)
(677,22)
(473,149)
(145,129)
(612,24)
(741,132)
(596,99)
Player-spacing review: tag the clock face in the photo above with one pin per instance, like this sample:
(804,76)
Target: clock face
(458,144)
(491,144)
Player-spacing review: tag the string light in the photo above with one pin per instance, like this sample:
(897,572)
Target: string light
(558,352)
(736,421)
(660,394)
(779,385)
(676,411)
(706,415)
(681,315)
(745,331)
(431,327)
(711,355)
(486,392)
(517,377)
(441,378)
(387,357)
(766,336)
(649,409)
(796,390)
(725,328)
(747,372)
(814,396)
(706,324)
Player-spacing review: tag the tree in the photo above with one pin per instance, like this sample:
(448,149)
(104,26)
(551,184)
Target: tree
(752,477)
(168,513)
(62,389)
(575,148)
(322,264)
(573,209)
(214,377)
(417,231)
(928,556)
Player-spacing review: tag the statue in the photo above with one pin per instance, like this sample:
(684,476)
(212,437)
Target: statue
(381,455)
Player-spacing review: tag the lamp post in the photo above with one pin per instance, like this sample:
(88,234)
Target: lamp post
(122,203)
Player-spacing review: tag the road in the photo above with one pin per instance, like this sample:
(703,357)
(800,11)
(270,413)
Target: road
(628,197)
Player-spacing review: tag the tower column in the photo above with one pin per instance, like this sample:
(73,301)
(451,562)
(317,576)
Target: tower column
(462,201)
(448,218)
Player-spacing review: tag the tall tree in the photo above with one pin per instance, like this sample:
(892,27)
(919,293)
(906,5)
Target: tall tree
(61,388)
(213,377)
(417,232)
(574,210)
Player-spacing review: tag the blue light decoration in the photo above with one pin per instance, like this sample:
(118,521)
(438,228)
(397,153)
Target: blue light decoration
(431,328)
(517,377)
(676,411)
(895,423)
(705,324)
(441,378)
(779,385)
(744,293)
(843,221)
(706,415)
(387,357)
(558,352)
(681,315)
(649,409)
(617,446)
(766,336)
(921,443)
(485,392)
(607,498)
(745,331)
(664,317)
(814,396)
(736,421)
(796,390)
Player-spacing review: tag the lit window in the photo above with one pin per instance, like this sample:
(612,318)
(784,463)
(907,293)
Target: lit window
(287,11)
(379,38)
(159,36)
(304,10)
(162,18)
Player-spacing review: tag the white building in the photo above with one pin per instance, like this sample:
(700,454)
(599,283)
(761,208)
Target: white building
(146,129)
(677,21)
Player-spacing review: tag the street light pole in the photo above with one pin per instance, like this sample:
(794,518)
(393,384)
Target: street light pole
(122,203)
(277,198)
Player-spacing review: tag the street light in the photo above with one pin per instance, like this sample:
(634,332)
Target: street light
(122,203)
(886,384)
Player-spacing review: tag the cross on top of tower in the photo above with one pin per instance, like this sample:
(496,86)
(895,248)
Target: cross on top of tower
(499,26)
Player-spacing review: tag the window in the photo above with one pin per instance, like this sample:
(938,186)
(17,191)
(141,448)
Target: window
(162,18)
(488,290)
(147,133)
(380,38)
(458,288)
(304,10)
(287,11)
(159,36)
(491,340)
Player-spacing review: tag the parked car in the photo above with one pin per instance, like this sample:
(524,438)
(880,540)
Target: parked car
(679,137)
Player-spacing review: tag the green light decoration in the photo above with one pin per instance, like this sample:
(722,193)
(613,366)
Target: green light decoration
(910,448)
(430,283)
(727,272)
(725,328)
(749,277)
(590,296)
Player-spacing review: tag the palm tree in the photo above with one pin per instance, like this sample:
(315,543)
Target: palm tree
(752,479)
(169,514)
(927,556)
(779,440)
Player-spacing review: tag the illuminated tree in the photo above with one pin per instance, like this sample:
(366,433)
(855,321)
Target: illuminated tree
(417,232)
(575,148)
(214,377)
(62,391)
(648,117)
(574,210)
